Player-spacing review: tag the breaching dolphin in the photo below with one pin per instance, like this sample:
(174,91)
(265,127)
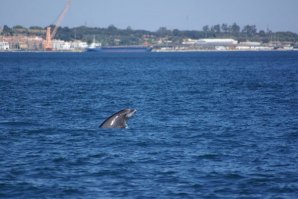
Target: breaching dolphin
(119,119)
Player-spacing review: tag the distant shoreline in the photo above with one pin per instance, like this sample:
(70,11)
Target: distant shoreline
(153,51)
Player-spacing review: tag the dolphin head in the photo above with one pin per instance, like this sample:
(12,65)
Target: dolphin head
(129,112)
(119,119)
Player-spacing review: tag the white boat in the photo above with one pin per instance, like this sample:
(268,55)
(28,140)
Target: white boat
(94,45)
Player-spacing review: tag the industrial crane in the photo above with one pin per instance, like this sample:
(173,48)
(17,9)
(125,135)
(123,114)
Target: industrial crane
(48,44)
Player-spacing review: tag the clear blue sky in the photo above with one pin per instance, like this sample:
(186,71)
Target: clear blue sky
(277,15)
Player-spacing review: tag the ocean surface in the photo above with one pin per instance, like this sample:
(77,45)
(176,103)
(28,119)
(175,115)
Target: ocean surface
(208,125)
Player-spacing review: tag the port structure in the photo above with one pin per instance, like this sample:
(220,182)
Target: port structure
(48,43)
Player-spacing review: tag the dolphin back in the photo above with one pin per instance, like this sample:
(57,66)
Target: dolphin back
(117,120)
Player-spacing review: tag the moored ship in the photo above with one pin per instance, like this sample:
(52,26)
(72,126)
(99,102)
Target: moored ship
(120,49)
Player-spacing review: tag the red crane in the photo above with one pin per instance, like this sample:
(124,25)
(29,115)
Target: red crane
(48,43)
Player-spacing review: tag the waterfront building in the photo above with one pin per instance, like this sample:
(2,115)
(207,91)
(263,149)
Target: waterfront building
(217,42)
(252,45)
(23,42)
(189,41)
(78,45)
(4,45)
(60,45)
(34,43)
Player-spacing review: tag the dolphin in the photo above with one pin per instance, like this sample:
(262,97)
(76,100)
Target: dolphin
(119,119)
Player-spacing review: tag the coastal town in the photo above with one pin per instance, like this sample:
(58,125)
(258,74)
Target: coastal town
(219,37)
(36,43)
(18,43)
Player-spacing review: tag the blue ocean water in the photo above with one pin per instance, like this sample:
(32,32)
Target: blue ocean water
(208,125)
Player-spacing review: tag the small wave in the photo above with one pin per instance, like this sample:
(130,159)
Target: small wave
(209,156)
(17,123)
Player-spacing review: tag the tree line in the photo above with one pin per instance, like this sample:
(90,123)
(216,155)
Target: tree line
(112,35)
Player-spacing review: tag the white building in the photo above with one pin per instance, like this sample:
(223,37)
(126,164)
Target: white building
(61,45)
(4,45)
(78,45)
(217,42)
(255,48)
(252,45)
(190,41)
(249,43)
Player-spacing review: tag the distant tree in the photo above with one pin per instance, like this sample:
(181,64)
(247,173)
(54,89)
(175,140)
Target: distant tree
(192,34)
(216,28)
(18,27)
(224,28)
(7,31)
(112,29)
(249,30)
(235,29)
(163,31)
(36,28)
(116,36)
(129,29)
(262,33)
(176,32)
(206,28)
(65,33)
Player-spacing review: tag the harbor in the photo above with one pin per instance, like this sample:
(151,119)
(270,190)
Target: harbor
(219,37)
(35,44)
